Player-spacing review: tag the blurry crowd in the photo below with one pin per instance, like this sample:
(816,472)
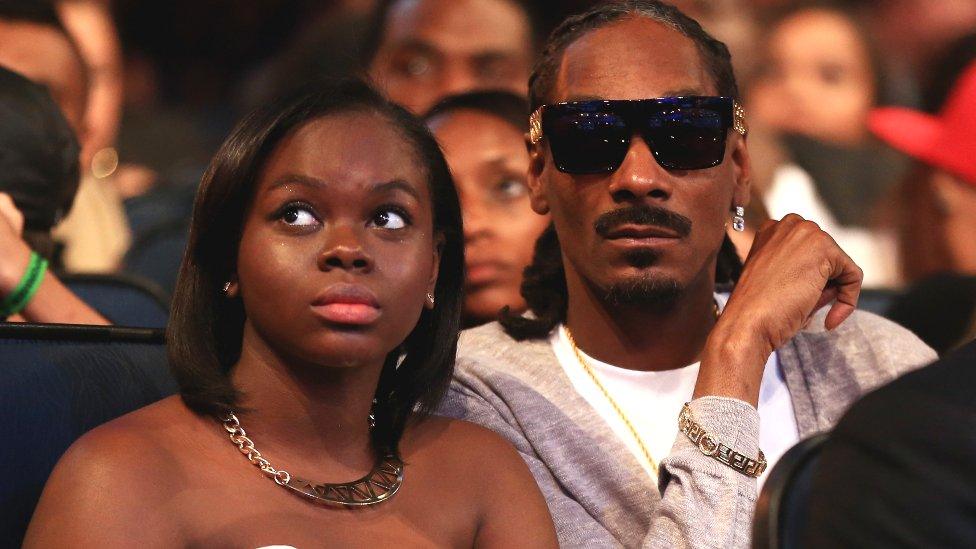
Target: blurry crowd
(862,117)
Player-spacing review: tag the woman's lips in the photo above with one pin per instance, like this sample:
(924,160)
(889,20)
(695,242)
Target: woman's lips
(347,304)
(347,313)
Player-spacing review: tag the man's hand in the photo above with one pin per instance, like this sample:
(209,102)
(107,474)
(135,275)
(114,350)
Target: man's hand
(793,269)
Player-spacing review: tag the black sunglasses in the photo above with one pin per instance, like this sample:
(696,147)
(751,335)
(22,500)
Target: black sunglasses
(683,133)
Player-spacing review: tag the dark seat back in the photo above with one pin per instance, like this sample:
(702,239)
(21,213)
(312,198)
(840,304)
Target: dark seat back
(781,510)
(56,383)
(123,299)
(877,300)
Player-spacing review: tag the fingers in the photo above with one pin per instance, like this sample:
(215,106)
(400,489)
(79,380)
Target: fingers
(841,277)
(10,213)
(846,277)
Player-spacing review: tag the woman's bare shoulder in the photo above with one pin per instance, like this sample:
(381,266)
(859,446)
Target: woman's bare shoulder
(141,434)
(113,474)
(510,508)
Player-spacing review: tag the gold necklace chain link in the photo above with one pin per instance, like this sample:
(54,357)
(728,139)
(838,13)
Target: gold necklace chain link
(613,403)
(379,485)
(246,446)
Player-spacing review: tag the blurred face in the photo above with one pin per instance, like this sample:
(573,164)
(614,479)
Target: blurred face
(435,48)
(44,55)
(500,229)
(606,250)
(957,200)
(817,80)
(337,252)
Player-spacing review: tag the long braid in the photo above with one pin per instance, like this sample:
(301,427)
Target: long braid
(544,290)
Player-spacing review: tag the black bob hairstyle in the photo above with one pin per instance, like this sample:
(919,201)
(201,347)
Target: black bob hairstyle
(204,335)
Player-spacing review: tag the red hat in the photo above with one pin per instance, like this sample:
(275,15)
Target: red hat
(946,141)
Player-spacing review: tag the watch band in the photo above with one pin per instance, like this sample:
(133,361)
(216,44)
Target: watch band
(709,445)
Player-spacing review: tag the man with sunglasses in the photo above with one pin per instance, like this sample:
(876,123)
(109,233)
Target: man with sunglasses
(635,387)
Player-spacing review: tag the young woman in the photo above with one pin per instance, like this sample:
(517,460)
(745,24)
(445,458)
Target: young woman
(315,321)
(489,167)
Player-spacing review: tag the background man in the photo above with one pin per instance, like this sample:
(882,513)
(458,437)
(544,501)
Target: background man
(420,51)
(626,326)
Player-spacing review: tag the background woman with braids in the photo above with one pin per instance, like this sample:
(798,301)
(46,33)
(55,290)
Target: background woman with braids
(317,307)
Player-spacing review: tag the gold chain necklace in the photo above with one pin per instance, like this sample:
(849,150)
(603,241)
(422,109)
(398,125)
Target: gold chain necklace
(613,403)
(377,486)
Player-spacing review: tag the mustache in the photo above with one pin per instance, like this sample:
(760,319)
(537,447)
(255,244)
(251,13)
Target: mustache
(642,214)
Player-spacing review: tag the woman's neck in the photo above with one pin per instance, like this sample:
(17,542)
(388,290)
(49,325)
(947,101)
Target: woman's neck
(312,415)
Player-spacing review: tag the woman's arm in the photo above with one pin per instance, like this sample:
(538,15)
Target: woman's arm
(53,302)
(515,513)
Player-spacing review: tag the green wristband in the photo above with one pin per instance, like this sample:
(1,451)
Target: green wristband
(18,299)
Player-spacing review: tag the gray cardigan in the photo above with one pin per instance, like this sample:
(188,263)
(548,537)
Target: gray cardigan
(598,494)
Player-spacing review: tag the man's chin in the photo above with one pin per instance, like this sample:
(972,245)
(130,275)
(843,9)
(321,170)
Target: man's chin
(656,291)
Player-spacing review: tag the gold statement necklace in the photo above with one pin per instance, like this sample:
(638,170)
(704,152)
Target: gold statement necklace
(377,486)
(613,403)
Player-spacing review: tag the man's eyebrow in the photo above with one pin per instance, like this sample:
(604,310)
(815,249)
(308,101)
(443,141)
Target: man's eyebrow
(670,93)
(682,92)
(573,98)
(490,56)
(417,44)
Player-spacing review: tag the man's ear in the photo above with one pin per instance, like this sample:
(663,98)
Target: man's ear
(537,164)
(741,172)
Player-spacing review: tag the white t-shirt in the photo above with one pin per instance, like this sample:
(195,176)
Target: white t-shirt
(652,401)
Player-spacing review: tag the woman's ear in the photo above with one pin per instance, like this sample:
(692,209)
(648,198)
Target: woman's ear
(231,288)
(439,241)
(537,164)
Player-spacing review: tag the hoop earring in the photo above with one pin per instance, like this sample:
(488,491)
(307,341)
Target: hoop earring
(738,219)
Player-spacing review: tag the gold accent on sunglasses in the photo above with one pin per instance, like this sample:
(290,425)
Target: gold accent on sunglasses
(535,122)
(739,118)
(535,125)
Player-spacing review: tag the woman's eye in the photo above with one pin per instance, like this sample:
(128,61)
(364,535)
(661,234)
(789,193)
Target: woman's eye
(511,189)
(298,216)
(389,219)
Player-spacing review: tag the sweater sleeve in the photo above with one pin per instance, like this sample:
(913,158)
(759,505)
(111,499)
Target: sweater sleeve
(703,503)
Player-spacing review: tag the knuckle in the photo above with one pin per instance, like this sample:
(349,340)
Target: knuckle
(811,226)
